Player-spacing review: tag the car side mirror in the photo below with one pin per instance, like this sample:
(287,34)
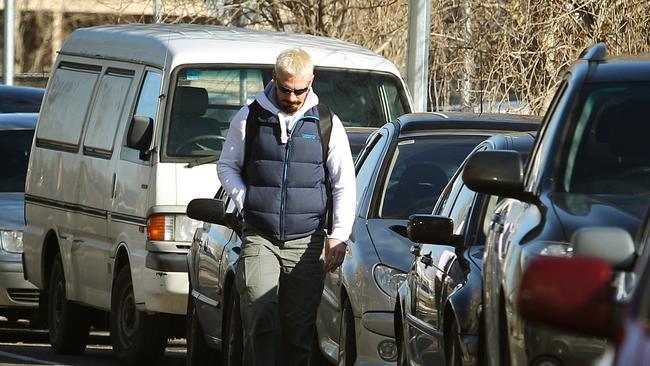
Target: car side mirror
(140,133)
(432,229)
(498,173)
(208,210)
(572,294)
(611,244)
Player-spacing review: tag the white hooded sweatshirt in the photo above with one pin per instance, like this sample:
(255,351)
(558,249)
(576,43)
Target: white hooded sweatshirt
(339,160)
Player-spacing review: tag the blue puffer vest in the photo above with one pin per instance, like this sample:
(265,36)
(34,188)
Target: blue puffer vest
(286,193)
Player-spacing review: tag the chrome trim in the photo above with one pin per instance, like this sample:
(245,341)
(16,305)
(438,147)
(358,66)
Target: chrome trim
(199,296)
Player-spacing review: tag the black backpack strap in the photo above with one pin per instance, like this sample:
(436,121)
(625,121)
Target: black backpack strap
(254,110)
(325,132)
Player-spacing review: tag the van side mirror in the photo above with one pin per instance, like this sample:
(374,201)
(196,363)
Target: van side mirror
(208,210)
(140,133)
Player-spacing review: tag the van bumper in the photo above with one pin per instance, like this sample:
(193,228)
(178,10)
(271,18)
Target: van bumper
(167,262)
(164,292)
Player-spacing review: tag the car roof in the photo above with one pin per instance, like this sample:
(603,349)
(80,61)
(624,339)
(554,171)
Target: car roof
(16,92)
(170,45)
(18,121)
(461,121)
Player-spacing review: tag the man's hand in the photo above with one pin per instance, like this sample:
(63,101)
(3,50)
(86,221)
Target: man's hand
(334,254)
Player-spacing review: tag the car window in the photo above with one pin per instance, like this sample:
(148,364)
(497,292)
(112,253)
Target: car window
(14,149)
(419,169)
(608,150)
(368,164)
(462,208)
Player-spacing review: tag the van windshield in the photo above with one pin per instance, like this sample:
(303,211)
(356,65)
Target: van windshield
(206,99)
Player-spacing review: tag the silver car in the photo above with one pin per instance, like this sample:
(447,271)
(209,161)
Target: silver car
(401,171)
(18,298)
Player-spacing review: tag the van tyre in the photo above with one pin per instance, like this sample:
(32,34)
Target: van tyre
(198,351)
(67,322)
(233,343)
(137,338)
(453,355)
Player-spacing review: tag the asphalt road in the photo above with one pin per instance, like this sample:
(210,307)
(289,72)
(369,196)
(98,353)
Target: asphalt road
(20,345)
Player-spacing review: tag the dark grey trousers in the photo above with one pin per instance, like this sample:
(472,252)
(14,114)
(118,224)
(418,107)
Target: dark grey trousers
(280,286)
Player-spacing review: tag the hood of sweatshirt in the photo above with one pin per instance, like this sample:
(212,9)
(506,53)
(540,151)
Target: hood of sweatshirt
(268,101)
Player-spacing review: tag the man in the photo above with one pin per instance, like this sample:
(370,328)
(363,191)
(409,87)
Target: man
(277,178)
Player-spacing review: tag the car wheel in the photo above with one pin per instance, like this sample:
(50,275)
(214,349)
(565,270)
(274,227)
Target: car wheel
(453,355)
(233,346)
(347,339)
(198,351)
(137,338)
(68,322)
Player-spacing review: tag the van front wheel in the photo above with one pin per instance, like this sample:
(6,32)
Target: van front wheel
(137,338)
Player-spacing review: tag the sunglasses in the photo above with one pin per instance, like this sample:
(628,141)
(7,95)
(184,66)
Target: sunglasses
(288,91)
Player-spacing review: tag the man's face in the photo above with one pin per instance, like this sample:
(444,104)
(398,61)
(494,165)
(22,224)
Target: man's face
(291,91)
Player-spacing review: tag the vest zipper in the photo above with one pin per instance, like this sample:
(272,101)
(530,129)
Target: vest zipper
(285,173)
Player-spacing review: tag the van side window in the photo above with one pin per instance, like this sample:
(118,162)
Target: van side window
(66,106)
(107,113)
(148,100)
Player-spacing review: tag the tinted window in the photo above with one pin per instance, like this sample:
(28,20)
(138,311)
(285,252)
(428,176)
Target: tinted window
(419,170)
(461,209)
(107,112)
(69,94)
(608,150)
(368,164)
(21,104)
(14,149)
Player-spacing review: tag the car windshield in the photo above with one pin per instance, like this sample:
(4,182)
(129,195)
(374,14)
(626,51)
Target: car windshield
(14,148)
(608,150)
(206,99)
(419,170)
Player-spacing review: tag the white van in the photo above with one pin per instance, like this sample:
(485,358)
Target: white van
(132,117)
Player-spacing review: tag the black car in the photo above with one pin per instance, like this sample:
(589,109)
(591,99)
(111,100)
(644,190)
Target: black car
(590,166)
(401,171)
(20,99)
(437,312)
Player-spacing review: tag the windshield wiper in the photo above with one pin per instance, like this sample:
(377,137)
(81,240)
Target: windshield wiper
(202,160)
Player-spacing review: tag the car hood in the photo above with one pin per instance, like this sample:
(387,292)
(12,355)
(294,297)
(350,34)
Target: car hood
(12,210)
(390,242)
(578,210)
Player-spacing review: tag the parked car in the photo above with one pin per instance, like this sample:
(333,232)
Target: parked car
(589,167)
(401,171)
(18,298)
(576,294)
(438,307)
(131,118)
(20,99)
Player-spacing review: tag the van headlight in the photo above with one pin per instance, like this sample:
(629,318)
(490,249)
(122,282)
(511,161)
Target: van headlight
(11,240)
(388,279)
(171,227)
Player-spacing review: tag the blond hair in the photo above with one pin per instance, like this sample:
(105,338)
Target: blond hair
(294,62)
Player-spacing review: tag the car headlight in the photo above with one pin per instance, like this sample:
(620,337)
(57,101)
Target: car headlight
(11,240)
(388,279)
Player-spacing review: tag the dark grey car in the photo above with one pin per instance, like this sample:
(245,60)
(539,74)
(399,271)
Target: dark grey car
(400,172)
